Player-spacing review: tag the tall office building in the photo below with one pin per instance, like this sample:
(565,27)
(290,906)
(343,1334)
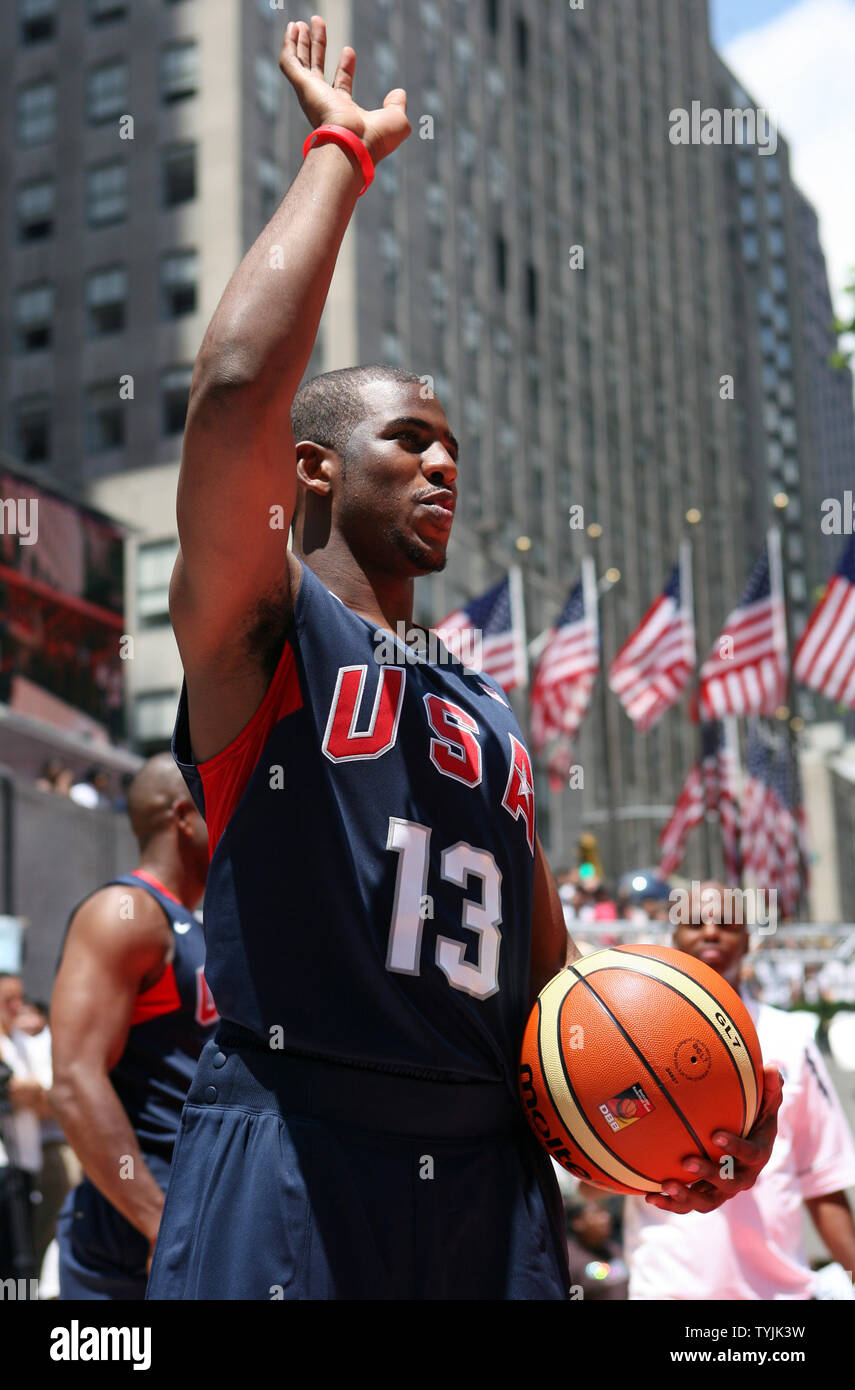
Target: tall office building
(539,248)
(774,387)
(832,416)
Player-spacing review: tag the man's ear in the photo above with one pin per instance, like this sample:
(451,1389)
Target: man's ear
(316,467)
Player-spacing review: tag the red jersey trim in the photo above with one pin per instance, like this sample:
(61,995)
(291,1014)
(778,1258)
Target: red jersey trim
(225,776)
(162,998)
(156,883)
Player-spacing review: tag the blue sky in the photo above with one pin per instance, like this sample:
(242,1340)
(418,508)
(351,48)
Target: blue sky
(732,17)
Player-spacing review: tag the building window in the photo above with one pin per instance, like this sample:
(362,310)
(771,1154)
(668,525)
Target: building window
(750,248)
(38,20)
(270,186)
(268,85)
(107,92)
(34,318)
(34,207)
(392,350)
(748,208)
(745,170)
(435,204)
(174,395)
(37,113)
(106,298)
(386,63)
(32,429)
(778,279)
(179,71)
(531,291)
(798,587)
(178,175)
(501,255)
(154,715)
(776,243)
(774,207)
(105,418)
(387,177)
(107,11)
(107,194)
(179,278)
(522,42)
(155,560)
(492,7)
(497,175)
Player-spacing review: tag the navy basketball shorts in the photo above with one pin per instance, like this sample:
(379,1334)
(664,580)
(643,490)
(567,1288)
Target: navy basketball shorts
(101,1255)
(300,1179)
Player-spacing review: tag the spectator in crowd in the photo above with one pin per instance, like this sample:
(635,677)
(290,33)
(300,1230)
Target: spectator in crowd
(597,1265)
(61,1170)
(91,790)
(20,1136)
(55,777)
(752,1246)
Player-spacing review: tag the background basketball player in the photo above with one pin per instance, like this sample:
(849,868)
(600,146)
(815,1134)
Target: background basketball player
(379,914)
(130,1014)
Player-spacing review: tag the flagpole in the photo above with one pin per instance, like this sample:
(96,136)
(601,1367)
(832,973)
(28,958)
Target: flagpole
(518,624)
(687,597)
(778,571)
(592,590)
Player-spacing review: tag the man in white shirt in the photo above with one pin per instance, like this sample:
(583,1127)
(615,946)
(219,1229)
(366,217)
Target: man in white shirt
(21,1155)
(752,1246)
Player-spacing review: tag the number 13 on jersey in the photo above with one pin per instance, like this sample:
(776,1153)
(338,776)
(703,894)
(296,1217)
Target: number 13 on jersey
(458,864)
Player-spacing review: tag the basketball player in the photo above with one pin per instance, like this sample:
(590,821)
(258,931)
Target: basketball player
(753,1247)
(379,913)
(130,1014)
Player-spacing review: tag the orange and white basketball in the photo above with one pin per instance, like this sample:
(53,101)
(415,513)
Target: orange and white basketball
(631,1060)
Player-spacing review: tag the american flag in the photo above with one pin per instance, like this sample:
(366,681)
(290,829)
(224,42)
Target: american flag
(824,659)
(774,846)
(709,788)
(495,621)
(687,813)
(746,671)
(655,664)
(721,798)
(568,666)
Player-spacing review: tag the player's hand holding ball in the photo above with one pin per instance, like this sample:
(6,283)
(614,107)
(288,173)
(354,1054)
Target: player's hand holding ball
(302,62)
(641,1071)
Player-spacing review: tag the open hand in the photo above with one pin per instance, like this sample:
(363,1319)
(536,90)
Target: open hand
(710,1188)
(302,62)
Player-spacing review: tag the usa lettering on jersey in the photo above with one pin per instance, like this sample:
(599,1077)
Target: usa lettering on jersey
(453,734)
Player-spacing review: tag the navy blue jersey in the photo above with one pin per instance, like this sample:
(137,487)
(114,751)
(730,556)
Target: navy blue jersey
(369,896)
(170,1025)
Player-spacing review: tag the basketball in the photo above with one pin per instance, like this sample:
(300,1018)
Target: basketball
(632,1058)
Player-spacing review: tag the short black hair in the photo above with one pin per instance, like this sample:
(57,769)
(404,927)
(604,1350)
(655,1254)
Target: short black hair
(327,408)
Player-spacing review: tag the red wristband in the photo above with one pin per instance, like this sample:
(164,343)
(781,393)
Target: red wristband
(340,135)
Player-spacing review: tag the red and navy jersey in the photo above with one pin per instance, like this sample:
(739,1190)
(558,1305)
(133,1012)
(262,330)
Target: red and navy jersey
(372,833)
(170,1025)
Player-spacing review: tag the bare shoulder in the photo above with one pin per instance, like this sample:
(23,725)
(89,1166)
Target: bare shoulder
(119,921)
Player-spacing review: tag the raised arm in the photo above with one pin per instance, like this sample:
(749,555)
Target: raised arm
(238,460)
